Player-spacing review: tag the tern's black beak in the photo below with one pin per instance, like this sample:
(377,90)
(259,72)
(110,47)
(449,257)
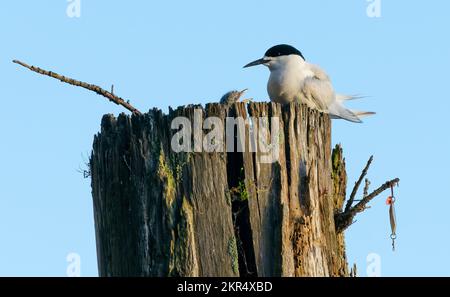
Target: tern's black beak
(257,62)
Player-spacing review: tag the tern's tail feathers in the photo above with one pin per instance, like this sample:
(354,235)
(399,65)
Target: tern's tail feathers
(363,114)
(338,111)
(341,97)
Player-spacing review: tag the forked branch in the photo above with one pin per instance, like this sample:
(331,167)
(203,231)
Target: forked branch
(344,219)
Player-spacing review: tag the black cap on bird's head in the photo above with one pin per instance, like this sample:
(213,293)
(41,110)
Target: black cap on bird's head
(283,50)
(276,51)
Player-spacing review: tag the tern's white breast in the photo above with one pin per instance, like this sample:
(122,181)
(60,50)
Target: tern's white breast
(287,75)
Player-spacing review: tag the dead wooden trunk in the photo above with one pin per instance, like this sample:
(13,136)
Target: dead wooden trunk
(161,213)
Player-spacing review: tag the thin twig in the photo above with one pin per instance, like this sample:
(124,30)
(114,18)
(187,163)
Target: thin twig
(362,204)
(357,184)
(113,98)
(366,188)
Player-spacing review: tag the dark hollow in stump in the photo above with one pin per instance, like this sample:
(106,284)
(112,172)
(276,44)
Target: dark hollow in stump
(161,213)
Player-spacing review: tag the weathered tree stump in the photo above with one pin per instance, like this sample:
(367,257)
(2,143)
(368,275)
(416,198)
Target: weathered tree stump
(161,213)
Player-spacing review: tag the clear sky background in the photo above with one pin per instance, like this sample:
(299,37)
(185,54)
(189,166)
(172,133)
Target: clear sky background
(171,53)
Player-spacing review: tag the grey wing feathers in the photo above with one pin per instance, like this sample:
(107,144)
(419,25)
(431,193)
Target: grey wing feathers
(317,90)
(318,93)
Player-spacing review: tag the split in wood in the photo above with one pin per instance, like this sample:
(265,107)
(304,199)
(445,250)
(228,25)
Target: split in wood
(113,98)
(344,219)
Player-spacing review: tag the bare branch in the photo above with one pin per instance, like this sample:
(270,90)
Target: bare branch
(113,98)
(345,219)
(357,184)
(362,204)
(366,188)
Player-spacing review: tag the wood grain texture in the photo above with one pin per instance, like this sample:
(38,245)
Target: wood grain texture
(161,213)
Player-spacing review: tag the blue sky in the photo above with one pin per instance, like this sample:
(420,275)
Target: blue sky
(171,53)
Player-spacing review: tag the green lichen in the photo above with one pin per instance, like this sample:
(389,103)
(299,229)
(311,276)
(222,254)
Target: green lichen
(338,177)
(179,172)
(167,179)
(233,252)
(228,197)
(178,161)
(242,190)
(336,156)
(337,166)
(183,260)
(166,175)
